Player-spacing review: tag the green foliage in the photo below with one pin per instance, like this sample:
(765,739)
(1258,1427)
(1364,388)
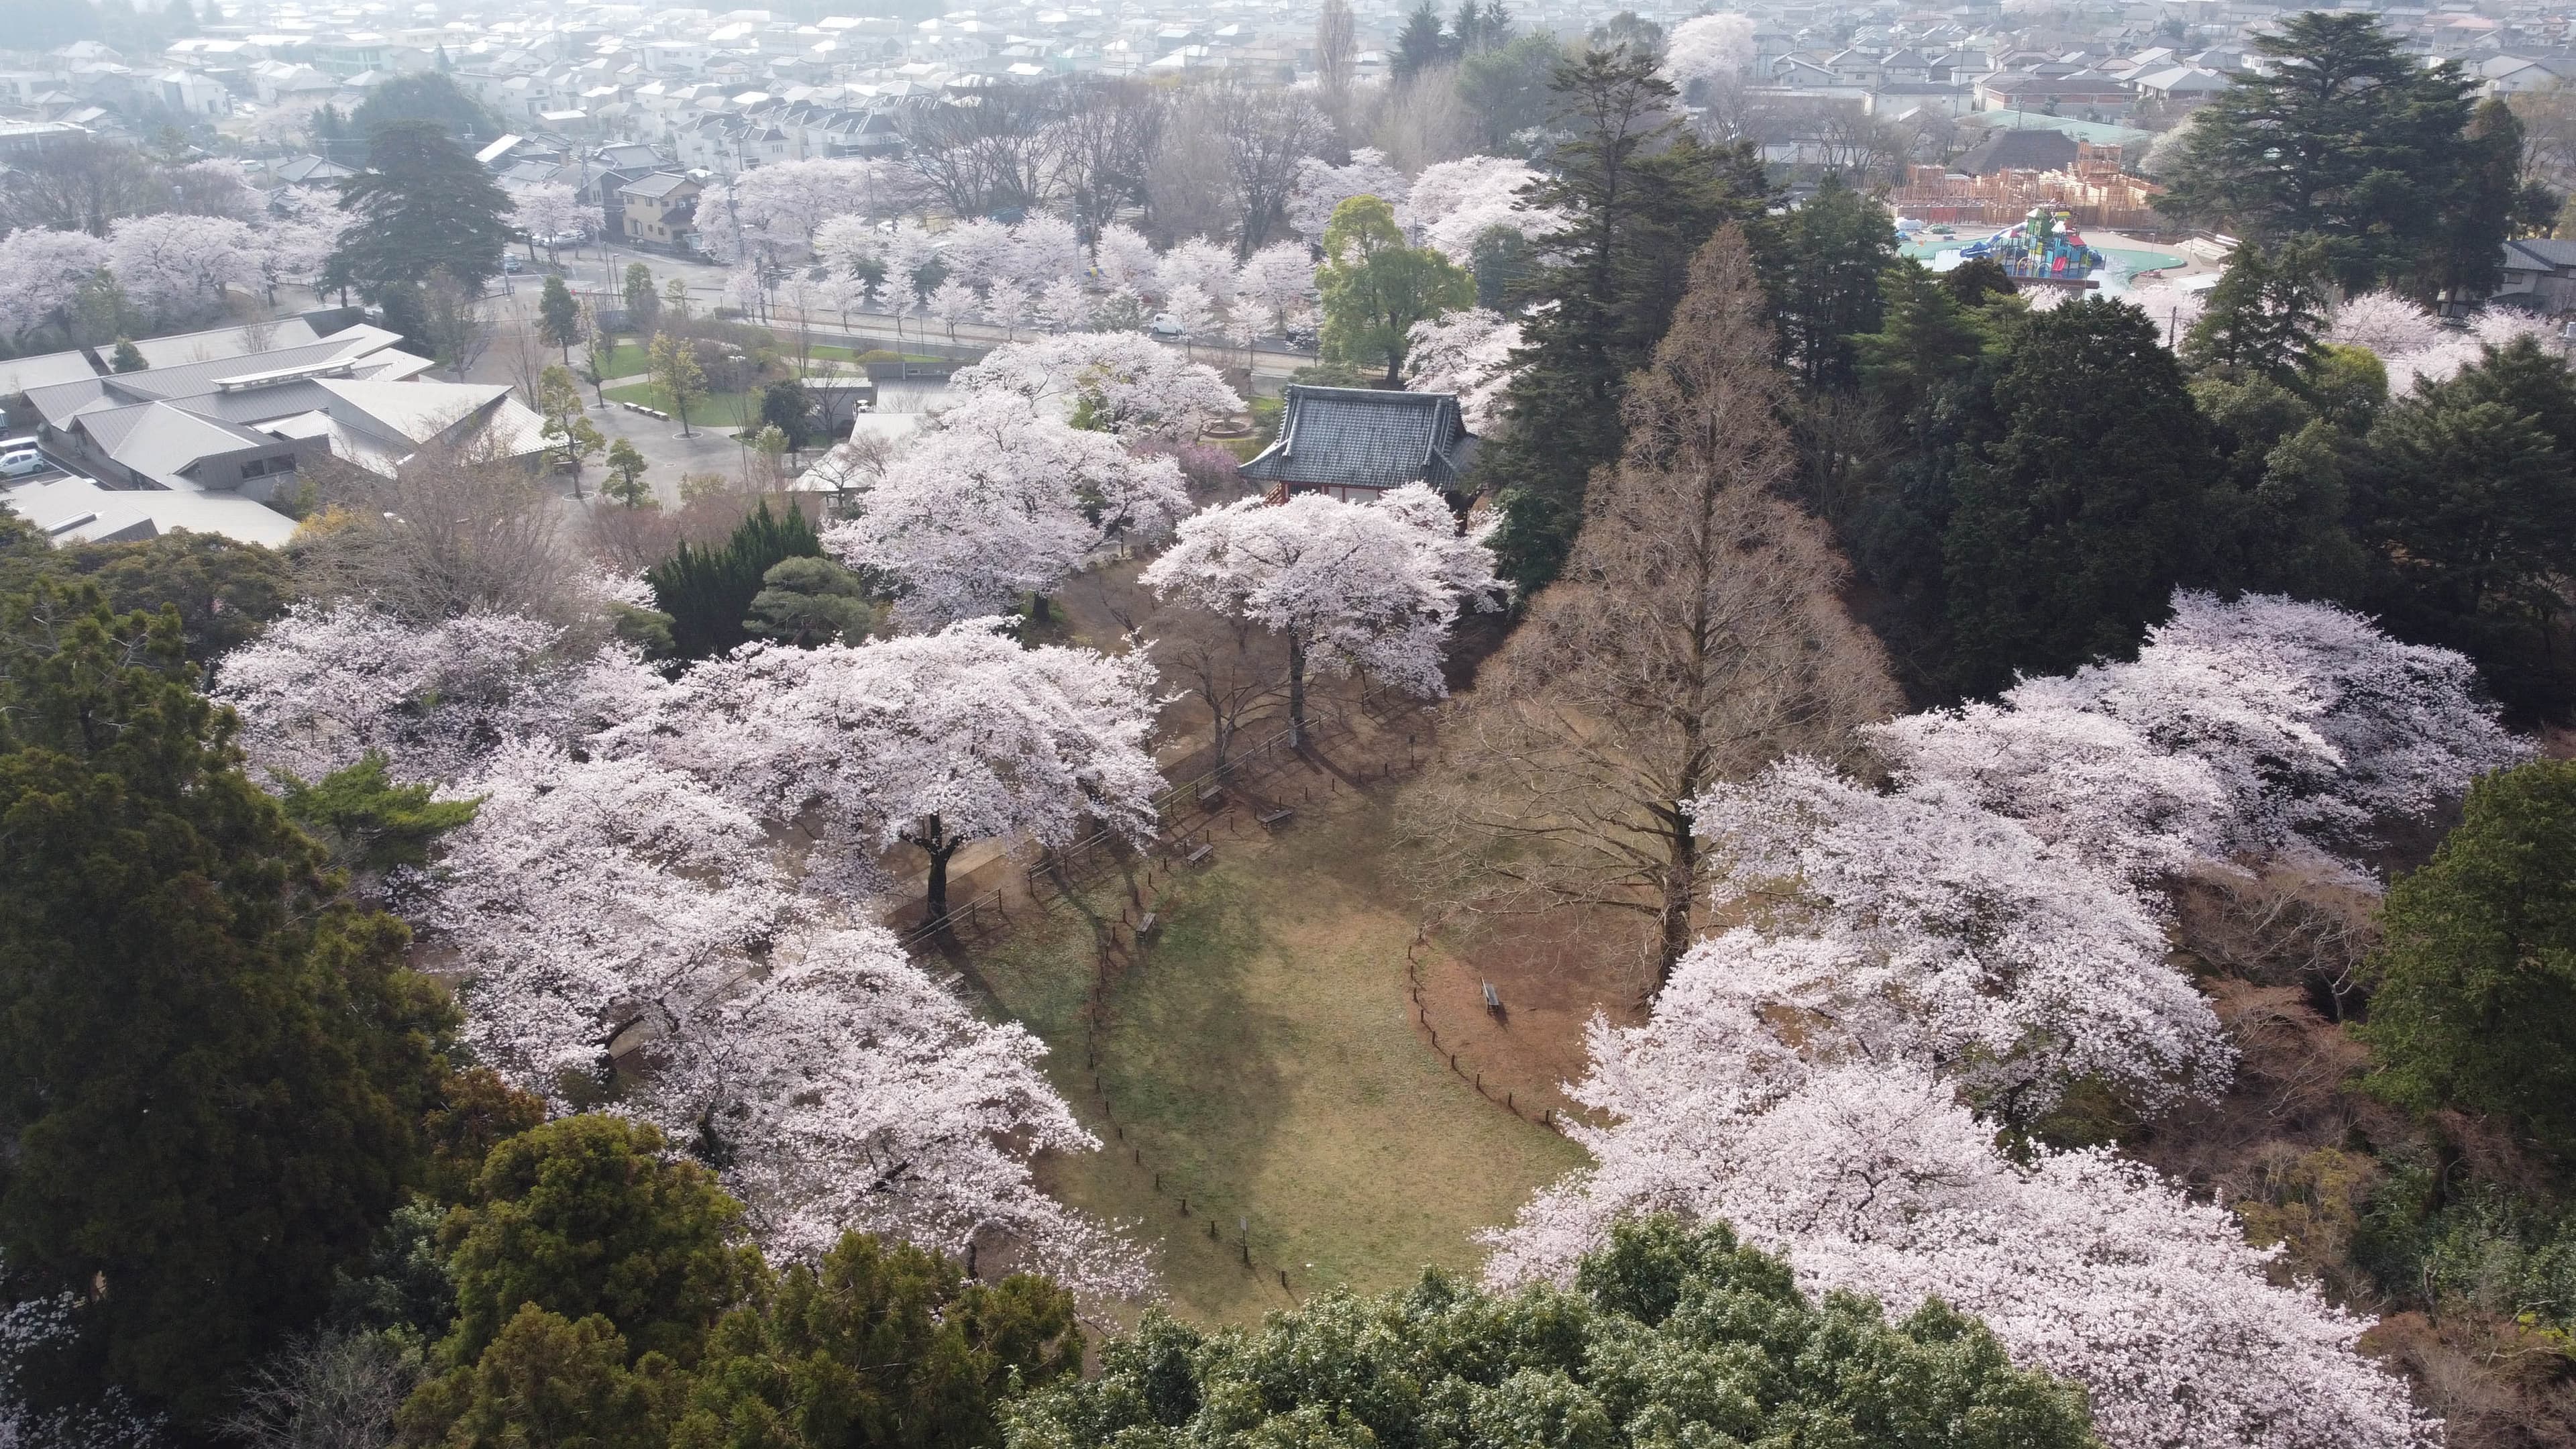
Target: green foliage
(587,1215)
(709,591)
(2350,140)
(643,299)
(882,1344)
(128,358)
(1375,287)
(2473,999)
(2479,1247)
(1420,45)
(788,407)
(2073,524)
(212,1063)
(428,97)
(2465,513)
(559,316)
(424,204)
(1501,262)
(2275,511)
(1645,195)
(368,822)
(225,591)
(1927,340)
(547,1380)
(1672,1335)
(1821,268)
(2264,316)
(626,476)
(674,368)
(809,601)
(1506,90)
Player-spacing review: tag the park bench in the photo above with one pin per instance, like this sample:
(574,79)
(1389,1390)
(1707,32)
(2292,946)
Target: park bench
(1279,816)
(1203,852)
(1145,927)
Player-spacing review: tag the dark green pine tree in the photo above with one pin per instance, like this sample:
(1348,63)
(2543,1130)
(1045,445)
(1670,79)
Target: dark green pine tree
(2265,315)
(2473,996)
(2478,211)
(2071,527)
(212,1063)
(1642,196)
(1420,45)
(423,204)
(709,591)
(559,316)
(2464,510)
(1820,266)
(2349,139)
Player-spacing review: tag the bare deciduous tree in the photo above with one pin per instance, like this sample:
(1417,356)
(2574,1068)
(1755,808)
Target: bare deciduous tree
(461,525)
(82,184)
(1424,121)
(1694,637)
(460,326)
(1336,51)
(1106,143)
(992,150)
(330,1391)
(1236,670)
(1267,132)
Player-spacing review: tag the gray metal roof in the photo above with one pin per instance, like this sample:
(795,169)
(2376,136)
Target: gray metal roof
(1354,437)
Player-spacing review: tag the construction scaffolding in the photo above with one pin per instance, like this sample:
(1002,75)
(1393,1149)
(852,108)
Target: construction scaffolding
(2094,192)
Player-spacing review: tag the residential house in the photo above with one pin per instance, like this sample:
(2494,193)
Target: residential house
(659,209)
(2539,274)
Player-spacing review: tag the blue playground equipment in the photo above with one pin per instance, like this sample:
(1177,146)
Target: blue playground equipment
(2043,246)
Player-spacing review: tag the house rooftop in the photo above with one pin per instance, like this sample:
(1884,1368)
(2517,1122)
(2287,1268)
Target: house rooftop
(1351,437)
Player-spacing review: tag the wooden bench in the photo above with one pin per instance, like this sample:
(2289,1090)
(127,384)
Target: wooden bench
(1146,926)
(1203,852)
(1276,817)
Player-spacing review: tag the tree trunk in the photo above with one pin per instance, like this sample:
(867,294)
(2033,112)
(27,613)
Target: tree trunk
(1673,920)
(1039,610)
(939,854)
(1296,693)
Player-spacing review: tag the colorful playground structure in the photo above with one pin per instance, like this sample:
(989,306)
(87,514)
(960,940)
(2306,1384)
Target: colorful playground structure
(2043,247)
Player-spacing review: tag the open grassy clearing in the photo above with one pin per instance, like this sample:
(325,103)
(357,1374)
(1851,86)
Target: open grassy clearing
(1263,1061)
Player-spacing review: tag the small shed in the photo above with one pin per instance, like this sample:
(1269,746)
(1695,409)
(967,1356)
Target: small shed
(1355,443)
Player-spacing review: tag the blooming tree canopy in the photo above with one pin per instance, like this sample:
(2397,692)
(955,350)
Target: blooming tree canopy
(1002,498)
(550,210)
(1708,48)
(1275,280)
(172,265)
(1196,262)
(1322,186)
(1468,353)
(41,275)
(1123,383)
(1373,586)
(1915,967)
(1455,202)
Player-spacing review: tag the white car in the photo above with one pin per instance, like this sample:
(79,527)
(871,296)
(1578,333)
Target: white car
(19,462)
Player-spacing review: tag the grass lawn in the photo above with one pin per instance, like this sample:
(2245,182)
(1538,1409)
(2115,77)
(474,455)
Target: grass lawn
(628,360)
(1263,1060)
(715,410)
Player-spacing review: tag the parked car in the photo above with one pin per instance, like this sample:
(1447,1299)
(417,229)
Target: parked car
(19,462)
(1163,326)
(510,263)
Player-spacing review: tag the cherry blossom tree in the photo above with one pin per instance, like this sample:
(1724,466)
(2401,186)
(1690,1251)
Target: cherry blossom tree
(1120,382)
(1455,202)
(783,206)
(1322,186)
(974,252)
(1713,48)
(952,302)
(1064,303)
(848,243)
(935,740)
(1196,262)
(327,683)
(1276,279)
(549,210)
(1002,498)
(41,275)
(1910,969)
(2383,322)
(1346,585)
(173,265)
(1872,1179)
(1468,353)
(1008,306)
(1191,312)
(1044,248)
(1124,258)
(626,934)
